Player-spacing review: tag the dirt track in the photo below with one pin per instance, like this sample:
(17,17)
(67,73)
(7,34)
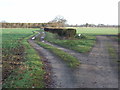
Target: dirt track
(97,69)
(61,74)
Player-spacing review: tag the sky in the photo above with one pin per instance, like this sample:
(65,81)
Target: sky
(74,11)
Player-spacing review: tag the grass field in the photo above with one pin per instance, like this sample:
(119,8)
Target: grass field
(112,32)
(22,67)
(97,31)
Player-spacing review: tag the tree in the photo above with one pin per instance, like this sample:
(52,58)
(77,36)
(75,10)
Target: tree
(58,21)
(86,24)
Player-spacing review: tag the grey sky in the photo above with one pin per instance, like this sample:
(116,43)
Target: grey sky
(75,11)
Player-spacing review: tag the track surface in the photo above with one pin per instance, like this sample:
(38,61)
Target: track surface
(97,69)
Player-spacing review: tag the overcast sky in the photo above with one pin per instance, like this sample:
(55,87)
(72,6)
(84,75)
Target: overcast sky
(75,11)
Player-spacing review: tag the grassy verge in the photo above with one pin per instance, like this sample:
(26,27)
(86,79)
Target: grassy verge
(71,61)
(112,52)
(80,45)
(30,74)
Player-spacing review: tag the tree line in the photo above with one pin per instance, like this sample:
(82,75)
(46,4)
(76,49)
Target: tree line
(23,25)
(58,21)
(92,25)
(49,24)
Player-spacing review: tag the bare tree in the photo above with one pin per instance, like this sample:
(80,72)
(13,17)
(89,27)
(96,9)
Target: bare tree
(86,24)
(58,21)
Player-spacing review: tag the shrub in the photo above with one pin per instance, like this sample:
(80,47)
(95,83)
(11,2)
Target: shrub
(68,33)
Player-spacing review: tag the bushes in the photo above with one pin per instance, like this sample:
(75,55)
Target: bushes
(67,33)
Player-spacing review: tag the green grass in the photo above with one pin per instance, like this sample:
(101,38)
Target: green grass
(69,59)
(111,51)
(11,37)
(113,54)
(97,31)
(29,73)
(79,45)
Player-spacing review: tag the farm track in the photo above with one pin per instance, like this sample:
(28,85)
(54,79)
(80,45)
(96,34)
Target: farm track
(61,74)
(97,69)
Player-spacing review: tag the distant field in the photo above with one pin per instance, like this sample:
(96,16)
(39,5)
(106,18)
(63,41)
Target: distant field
(10,37)
(97,31)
